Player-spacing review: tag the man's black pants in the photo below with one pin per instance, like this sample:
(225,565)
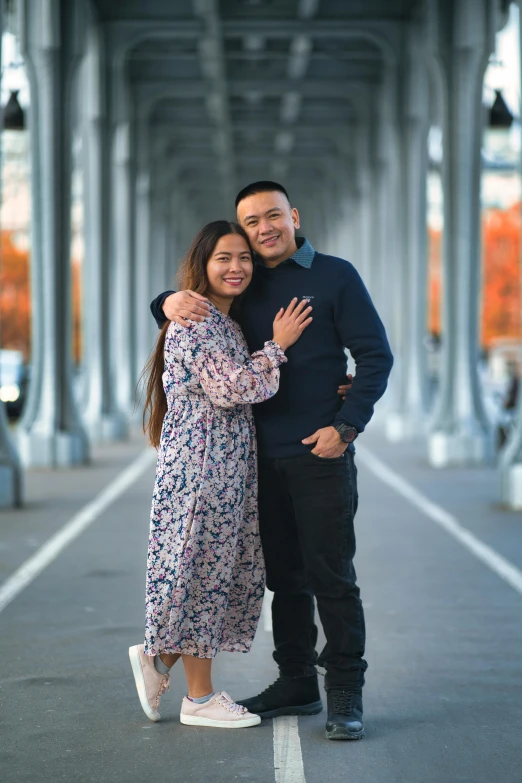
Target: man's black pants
(307,506)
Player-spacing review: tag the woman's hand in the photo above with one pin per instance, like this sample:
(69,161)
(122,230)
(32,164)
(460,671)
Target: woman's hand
(186,306)
(346,387)
(289,324)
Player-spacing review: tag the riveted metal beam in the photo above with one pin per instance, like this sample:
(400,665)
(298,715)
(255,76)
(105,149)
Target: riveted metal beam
(213,65)
(192,89)
(320,126)
(301,47)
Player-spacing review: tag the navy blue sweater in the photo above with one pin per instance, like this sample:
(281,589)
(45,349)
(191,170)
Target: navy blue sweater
(343,317)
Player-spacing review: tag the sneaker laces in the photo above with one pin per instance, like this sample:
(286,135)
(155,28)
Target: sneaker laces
(164,686)
(226,702)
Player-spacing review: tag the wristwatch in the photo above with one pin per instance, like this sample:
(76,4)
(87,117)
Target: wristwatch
(347,432)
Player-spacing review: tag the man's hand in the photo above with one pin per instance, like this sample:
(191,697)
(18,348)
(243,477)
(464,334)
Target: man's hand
(328,443)
(343,389)
(186,306)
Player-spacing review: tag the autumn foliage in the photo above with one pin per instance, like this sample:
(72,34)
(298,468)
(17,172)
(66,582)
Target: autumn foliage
(501,301)
(15,296)
(15,299)
(501,316)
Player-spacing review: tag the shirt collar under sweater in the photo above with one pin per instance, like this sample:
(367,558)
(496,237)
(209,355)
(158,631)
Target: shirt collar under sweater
(303,256)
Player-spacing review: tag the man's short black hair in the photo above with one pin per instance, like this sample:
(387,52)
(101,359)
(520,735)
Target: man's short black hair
(263,186)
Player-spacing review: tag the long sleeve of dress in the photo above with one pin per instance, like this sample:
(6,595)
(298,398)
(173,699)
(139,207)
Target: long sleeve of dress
(202,349)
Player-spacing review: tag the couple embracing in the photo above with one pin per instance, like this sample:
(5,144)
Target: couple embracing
(252,348)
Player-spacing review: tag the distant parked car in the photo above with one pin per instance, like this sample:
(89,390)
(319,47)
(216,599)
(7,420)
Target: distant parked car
(13,381)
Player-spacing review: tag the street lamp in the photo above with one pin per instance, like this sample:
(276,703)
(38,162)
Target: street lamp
(13,114)
(497,134)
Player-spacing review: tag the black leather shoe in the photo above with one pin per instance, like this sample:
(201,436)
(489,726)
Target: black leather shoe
(345,711)
(287,696)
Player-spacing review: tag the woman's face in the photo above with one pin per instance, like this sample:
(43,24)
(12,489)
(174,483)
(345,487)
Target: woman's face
(230,267)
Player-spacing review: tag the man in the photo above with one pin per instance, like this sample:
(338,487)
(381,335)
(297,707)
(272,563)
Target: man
(307,476)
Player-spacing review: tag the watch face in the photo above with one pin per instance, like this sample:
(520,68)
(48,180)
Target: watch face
(345,433)
(349,434)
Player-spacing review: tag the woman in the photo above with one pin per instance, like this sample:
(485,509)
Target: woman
(205,570)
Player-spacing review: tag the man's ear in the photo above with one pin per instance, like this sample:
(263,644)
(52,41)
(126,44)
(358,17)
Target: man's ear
(295,218)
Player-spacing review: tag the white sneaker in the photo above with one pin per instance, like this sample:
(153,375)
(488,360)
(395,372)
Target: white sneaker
(150,683)
(220,711)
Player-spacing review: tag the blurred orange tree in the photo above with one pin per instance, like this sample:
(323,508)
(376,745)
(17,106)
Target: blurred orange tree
(15,296)
(501,275)
(501,283)
(15,299)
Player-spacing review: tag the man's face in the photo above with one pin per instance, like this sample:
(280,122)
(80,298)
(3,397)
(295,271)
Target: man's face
(270,223)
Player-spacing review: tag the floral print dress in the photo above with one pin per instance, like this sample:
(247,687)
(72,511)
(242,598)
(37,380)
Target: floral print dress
(205,569)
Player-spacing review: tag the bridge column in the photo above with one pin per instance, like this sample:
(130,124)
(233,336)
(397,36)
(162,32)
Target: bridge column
(149,258)
(389,293)
(328,208)
(163,240)
(144,266)
(410,418)
(462,34)
(163,251)
(102,418)
(510,462)
(378,205)
(162,270)
(167,217)
(346,239)
(363,219)
(347,195)
(122,348)
(51,432)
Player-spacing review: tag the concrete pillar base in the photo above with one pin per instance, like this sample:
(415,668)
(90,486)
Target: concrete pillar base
(107,429)
(446,449)
(400,427)
(10,486)
(511,487)
(52,450)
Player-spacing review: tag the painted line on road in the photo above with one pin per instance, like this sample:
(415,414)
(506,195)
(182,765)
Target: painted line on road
(288,759)
(266,614)
(34,565)
(490,557)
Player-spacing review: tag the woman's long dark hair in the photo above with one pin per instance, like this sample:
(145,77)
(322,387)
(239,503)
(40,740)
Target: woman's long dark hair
(192,276)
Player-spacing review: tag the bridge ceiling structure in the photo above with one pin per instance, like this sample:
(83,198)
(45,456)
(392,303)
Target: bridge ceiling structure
(252,90)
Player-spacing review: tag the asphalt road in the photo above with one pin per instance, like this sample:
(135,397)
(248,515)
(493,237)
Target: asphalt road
(443,701)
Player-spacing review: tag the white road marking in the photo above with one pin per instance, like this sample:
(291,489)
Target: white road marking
(502,567)
(288,761)
(35,564)
(266,614)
